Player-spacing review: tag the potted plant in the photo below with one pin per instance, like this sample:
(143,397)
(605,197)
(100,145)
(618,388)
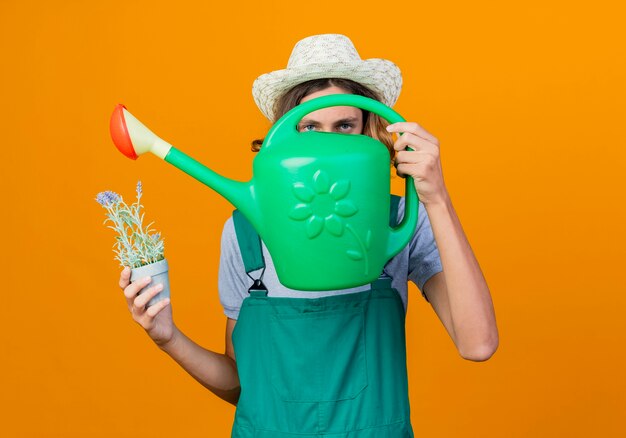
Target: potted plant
(136,246)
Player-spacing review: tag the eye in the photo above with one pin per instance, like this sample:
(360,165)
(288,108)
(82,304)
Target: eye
(307,128)
(346,126)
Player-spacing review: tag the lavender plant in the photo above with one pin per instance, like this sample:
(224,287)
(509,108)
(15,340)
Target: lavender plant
(135,244)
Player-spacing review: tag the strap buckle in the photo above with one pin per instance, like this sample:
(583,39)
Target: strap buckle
(257,285)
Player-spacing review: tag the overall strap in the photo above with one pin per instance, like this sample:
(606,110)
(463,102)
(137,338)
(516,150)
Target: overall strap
(249,243)
(251,252)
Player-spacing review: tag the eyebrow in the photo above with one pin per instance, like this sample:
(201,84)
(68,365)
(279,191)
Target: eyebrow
(306,121)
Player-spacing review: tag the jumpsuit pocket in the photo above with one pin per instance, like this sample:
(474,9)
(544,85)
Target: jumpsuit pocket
(319,356)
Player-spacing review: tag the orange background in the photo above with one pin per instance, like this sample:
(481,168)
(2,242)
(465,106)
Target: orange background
(527,100)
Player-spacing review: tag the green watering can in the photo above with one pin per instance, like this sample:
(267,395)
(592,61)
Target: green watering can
(319,201)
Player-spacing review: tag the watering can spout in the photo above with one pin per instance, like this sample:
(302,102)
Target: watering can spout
(132,138)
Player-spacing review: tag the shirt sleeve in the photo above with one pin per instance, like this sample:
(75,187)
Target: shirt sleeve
(424,260)
(232,279)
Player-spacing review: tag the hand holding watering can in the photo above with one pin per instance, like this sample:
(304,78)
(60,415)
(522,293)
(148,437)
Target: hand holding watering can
(319,201)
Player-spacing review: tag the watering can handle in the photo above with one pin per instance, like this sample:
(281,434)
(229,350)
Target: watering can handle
(287,127)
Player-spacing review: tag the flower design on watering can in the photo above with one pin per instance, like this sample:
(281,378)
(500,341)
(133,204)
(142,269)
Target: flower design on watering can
(323,205)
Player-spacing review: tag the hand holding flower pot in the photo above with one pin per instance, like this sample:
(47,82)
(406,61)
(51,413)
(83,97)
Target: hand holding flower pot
(136,246)
(155,320)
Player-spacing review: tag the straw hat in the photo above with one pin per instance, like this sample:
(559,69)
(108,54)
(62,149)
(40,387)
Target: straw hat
(327,56)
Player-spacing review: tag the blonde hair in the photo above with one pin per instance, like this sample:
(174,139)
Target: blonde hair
(373,125)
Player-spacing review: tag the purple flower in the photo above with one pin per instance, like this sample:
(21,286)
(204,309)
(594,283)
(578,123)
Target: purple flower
(139,192)
(107,198)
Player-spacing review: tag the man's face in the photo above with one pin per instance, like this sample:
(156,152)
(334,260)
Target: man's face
(343,119)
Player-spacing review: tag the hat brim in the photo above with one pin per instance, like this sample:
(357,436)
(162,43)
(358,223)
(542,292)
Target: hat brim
(380,75)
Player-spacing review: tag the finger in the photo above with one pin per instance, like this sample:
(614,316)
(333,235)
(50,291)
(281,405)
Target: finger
(410,157)
(125,277)
(415,157)
(154,310)
(406,169)
(133,289)
(414,142)
(399,171)
(142,300)
(413,128)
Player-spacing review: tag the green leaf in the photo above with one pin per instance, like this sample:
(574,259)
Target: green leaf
(314,226)
(345,208)
(300,212)
(303,193)
(334,225)
(354,254)
(321,182)
(340,189)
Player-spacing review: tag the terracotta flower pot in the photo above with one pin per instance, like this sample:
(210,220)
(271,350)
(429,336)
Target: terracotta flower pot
(158,272)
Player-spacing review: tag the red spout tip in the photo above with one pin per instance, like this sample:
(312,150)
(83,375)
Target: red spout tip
(119,132)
